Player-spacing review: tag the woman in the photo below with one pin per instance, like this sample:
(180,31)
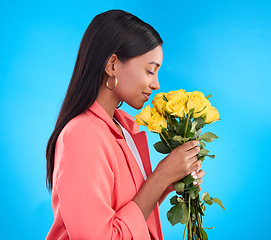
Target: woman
(98,165)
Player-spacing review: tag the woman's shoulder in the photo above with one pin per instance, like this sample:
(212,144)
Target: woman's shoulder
(85,123)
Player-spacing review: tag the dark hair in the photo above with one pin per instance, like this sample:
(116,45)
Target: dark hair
(114,31)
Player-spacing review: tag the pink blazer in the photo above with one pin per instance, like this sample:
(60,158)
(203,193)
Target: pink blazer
(95,179)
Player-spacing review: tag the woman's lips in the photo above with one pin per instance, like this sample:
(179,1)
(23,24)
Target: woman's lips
(146,95)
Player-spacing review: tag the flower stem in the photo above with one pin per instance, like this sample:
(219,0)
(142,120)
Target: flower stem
(186,125)
(188,218)
(166,141)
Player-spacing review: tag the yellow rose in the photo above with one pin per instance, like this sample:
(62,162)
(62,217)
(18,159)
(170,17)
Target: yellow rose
(177,104)
(143,117)
(174,94)
(156,122)
(212,114)
(159,103)
(199,102)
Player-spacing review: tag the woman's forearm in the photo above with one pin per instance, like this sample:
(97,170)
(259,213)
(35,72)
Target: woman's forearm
(150,193)
(168,190)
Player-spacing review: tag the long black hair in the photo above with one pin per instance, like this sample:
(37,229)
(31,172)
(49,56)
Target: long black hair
(113,31)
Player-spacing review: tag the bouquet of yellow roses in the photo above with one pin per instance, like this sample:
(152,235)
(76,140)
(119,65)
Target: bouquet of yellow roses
(178,117)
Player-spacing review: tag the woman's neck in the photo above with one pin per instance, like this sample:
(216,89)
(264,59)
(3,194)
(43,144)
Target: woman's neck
(108,101)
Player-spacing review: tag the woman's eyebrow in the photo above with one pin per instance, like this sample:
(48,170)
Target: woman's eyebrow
(157,64)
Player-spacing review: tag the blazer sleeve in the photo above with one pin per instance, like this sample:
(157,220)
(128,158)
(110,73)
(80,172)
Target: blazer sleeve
(84,184)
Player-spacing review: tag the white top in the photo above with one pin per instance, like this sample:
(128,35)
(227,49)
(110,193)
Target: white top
(133,148)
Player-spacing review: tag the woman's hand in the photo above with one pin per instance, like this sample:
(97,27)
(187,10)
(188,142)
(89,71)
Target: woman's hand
(179,163)
(199,175)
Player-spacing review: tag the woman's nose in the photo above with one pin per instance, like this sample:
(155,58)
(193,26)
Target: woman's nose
(154,85)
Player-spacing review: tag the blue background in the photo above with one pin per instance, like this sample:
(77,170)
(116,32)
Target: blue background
(217,47)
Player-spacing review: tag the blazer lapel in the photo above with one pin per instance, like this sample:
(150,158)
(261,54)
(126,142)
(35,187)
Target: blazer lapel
(153,221)
(133,166)
(141,143)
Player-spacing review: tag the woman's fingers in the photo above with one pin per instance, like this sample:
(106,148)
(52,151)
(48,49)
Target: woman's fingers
(200,174)
(182,161)
(195,165)
(189,145)
(198,182)
(193,152)
(193,159)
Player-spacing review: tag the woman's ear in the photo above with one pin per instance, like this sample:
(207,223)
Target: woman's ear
(110,65)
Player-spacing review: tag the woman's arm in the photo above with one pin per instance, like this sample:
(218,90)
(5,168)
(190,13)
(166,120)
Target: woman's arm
(83,191)
(168,190)
(178,164)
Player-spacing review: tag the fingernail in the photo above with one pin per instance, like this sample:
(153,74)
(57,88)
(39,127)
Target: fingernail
(195,183)
(193,175)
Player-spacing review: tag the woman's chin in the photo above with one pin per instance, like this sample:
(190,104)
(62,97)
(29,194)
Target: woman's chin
(136,106)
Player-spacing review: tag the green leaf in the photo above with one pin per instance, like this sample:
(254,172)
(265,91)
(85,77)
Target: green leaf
(203,152)
(189,135)
(202,143)
(194,193)
(175,214)
(208,137)
(164,98)
(201,111)
(173,200)
(162,147)
(179,186)
(203,234)
(144,122)
(205,196)
(201,123)
(181,127)
(211,156)
(197,124)
(209,96)
(219,202)
(189,126)
(209,202)
(180,139)
(174,143)
(172,122)
(188,187)
(188,180)
(191,110)
(197,133)
(185,214)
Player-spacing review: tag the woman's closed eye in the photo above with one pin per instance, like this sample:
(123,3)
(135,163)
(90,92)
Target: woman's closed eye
(150,72)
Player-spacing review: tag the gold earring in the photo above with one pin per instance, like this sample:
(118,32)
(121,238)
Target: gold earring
(107,85)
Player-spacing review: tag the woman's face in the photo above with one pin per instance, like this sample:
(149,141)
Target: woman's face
(138,77)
